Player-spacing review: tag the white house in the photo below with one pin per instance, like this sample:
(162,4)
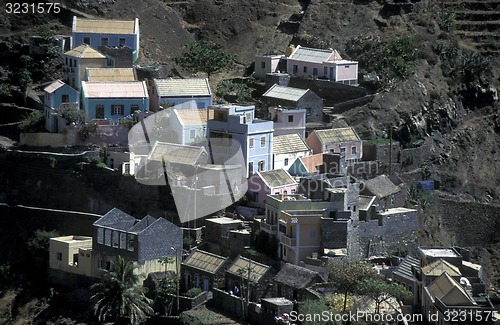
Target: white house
(287,148)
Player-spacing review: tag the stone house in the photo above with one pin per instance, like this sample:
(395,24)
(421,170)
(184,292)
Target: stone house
(340,140)
(204,270)
(297,98)
(243,271)
(388,194)
(225,236)
(292,282)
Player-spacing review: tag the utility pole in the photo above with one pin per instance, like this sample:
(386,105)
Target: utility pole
(390,150)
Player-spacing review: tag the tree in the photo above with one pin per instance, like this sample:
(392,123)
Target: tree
(314,308)
(346,274)
(39,242)
(204,56)
(380,291)
(246,281)
(119,295)
(32,122)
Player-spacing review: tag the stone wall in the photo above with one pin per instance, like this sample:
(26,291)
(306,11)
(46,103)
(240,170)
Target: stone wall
(334,233)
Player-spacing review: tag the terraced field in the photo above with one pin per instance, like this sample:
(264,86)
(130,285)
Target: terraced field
(477,23)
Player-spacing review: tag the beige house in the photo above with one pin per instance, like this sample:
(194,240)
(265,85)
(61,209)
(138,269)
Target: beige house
(77,60)
(72,254)
(110,74)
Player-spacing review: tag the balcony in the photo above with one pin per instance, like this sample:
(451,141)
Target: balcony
(285,240)
(271,229)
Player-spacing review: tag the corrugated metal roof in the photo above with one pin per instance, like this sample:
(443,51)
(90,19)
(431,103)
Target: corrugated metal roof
(365,201)
(177,153)
(130,89)
(314,55)
(53,86)
(276,178)
(405,267)
(286,93)
(84,51)
(297,277)
(104,26)
(205,261)
(440,266)
(289,143)
(193,116)
(182,87)
(449,291)
(257,270)
(337,135)
(110,74)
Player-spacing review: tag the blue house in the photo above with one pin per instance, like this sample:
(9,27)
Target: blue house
(189,126)
(56,94)
(106,33)
(234,128)
(113,100)
(179,91)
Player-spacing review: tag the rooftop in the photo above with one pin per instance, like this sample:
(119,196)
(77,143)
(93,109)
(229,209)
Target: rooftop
(296,276)
(365,201)
(84,51)
(312,162)
(380,186)
(182,87)
(205,261)
(193,116)
(337,135)
(241,264)
(103,26)
(72,239)
(440,266)
(130,89)
(396,211)
(314,55)
(110,74)
(285,93)
(289,143)
(54,86)
(224,220)
(277,178)
(449,291)
(441,252)
(177,153)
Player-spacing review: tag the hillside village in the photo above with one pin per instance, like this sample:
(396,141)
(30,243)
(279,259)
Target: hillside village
(271,196)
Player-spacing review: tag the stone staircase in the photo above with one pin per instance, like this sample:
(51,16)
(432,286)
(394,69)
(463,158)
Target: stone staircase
(477,23)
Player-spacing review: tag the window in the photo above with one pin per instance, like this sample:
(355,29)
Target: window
(107,237)
(66,60)
(133,108)
(250,142)
(305,69)
(325,70)
(285,162)
(100,235)
(99,111)
(59,256)
(104,41)
(262,165)
(108,265)
(347,67)
(130,243)
(115,239)
(263,65)
(117,109)
(312,234)
(342,151)
(65,98)
(192,134)
(250,168)
(123,240)
(86,40)
(262,142)
(315,72)
(122,41)
(290,118)
(353,150)
(295,68)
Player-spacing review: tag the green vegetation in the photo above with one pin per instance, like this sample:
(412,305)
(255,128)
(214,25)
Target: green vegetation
(311,308)
(232,91)
(165,292)
(118,294)
(39,242)
(266,244)
(380,291)
(447,20)
(378,141)
(32,122)
(87,130)
(193,292)
(72,115)
(204,56)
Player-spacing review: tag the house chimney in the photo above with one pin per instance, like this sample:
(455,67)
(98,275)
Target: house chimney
(289,50)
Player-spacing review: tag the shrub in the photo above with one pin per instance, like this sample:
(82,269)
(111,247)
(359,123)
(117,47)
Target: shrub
(33,122)
(193,292)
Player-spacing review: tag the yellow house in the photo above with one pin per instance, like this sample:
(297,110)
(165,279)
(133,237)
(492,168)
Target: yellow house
(299,234)
(72,254)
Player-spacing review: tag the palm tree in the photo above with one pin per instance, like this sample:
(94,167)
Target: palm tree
(119,295)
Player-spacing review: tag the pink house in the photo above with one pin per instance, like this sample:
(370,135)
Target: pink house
(318,63)
(273,182)
(341,140)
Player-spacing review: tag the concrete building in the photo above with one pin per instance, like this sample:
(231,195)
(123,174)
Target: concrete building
(342,140)
(292,282)
(233,130)
(204,270)
(105,32)
(288,121)
(55,95)
(189,126)
(276,181)
(297,98)
(317,63)
(71,254)
(226,236)
(287,148)
(265,64)
(77,60)
(110,74)
(171,92)
(244,270)
(113,101)
(321,163)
